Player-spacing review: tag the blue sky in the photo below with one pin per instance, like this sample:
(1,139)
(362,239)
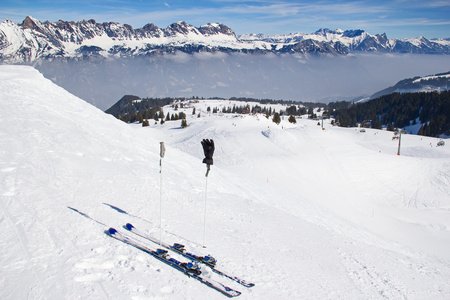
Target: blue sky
(398,18)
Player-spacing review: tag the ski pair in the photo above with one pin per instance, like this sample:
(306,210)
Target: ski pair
(179,249)
(188,269)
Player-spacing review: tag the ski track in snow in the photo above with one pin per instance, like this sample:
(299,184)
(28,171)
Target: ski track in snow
(303,213)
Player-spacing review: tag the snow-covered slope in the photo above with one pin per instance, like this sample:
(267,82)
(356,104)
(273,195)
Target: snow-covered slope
(301,212)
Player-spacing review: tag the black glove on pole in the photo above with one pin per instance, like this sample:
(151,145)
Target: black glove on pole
(208,149)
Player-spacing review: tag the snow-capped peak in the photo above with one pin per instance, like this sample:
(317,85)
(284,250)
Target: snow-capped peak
(32,40)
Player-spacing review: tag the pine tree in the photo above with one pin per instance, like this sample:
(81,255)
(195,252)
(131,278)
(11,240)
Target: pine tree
(276,118)
(292,110)
(183,123)
(292,119)
(311,113)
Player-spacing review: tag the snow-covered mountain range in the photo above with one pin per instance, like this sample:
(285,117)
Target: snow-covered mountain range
(360,41)
(33,39)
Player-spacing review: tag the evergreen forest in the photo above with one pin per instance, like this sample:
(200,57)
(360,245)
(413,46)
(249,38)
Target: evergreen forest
(396,110)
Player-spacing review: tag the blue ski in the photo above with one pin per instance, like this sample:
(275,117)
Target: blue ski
(188,269)
(178,248)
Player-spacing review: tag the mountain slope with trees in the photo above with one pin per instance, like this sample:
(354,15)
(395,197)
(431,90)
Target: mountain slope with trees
(437,82)
(132,109)
(396,110)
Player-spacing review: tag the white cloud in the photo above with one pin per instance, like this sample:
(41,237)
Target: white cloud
(438,3)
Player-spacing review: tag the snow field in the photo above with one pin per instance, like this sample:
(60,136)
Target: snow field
(301,212)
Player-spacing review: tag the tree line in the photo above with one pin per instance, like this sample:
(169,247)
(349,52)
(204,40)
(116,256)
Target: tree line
(392,111)
(396,110)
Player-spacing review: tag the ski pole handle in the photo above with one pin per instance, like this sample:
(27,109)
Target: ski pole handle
(162,150)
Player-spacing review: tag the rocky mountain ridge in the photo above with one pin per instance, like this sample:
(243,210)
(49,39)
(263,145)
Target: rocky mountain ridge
(33,40)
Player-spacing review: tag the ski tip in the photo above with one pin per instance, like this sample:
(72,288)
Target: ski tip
(129,226)
(231,293)
(112,231)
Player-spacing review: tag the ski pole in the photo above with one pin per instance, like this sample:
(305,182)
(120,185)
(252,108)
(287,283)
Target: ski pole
(162,152)
(208,149)
(204,212)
